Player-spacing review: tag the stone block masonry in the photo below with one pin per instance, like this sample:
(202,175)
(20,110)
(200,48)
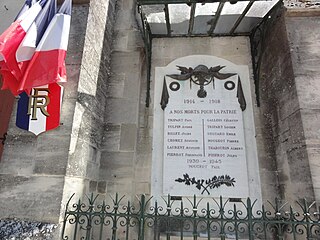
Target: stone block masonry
(289,109)
(104,143)
(279,104)
(119,147)
(33,168)
(38,174)
(304,35)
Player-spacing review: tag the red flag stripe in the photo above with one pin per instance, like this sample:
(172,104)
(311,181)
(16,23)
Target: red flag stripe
(54,107)
(44,68)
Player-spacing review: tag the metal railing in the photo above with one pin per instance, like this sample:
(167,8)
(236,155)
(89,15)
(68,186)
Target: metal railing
(189,218)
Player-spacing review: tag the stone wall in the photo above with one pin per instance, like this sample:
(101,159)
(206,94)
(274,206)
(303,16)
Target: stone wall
(104,143)
(8,11)
(123,107)
(38,174)
(90,98)
(276,91)
(32,168)
(304,35)
(288,111)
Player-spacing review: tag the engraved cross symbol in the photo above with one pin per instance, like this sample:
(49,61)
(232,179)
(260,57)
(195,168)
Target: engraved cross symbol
(38,101)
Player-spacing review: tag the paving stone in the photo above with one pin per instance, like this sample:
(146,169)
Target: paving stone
(42,200)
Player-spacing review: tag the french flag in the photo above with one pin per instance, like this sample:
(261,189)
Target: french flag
(13,36)
(48,62)
(28,46)
(51,104)
(8,80)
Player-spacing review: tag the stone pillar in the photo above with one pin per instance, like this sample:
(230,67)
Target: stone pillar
(82,172)
(278,113)
(289,111)
(304,35)
(123,106)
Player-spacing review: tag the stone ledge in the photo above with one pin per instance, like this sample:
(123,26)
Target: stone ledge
(303,12)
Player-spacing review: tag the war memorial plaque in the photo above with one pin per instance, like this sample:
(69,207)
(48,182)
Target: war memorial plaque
(204,147)
(204,141)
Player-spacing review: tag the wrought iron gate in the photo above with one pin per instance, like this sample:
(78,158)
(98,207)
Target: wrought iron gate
(175,218)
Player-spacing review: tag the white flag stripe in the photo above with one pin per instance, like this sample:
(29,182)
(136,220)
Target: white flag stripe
(51,39)
(25,8)
(28,45)
(29,16)
(39,125)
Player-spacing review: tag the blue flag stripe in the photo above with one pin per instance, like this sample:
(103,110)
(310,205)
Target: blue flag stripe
(42,3)
(22,120)
(44,18)
(29,2)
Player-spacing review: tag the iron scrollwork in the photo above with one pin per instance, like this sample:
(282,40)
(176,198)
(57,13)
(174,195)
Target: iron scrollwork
(115,217)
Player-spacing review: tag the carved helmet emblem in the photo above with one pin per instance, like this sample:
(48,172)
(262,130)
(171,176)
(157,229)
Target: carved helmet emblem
(201,75)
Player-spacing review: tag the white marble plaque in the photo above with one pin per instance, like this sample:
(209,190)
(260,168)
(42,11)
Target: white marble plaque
(204,144)
(204,148)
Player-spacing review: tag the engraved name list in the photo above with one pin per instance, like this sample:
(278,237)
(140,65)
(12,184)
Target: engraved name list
(204,145)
